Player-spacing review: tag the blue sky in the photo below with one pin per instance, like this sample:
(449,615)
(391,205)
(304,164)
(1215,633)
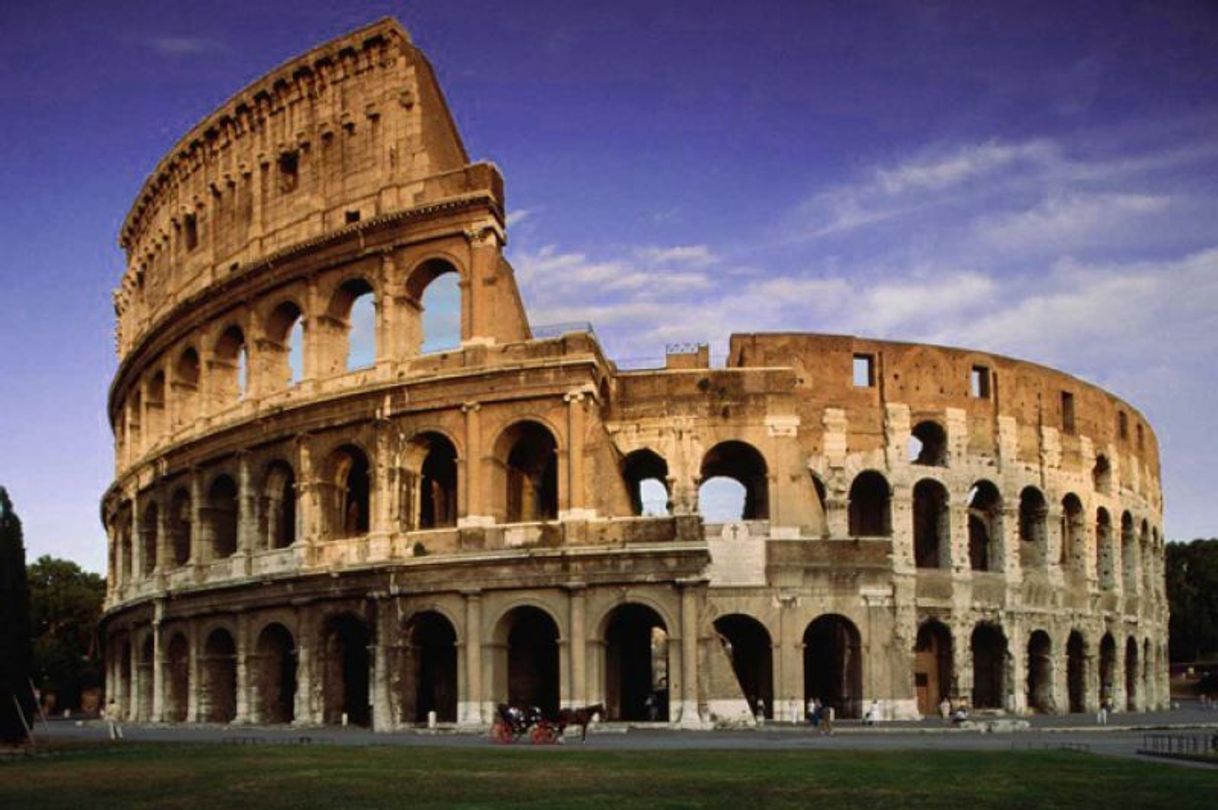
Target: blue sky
(1038,179)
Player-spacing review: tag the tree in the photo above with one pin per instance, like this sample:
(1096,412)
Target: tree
(14,629)
(65,606)
(1192,595)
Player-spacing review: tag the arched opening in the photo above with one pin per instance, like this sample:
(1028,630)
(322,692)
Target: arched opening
(275,675)
(1129,554)
(229,378)
(146,667)
(932,666)
(126,699)
(636,664)
(353,311)
(135,410)
(177,678)
(1104,557)
(527,665)
(985,527)
(429,671)
(870,513)
(284,349)
(278,512)
(344,671)
(743,464)
(218,669)
(178,526)
(1040,673)
(821,522)
(1101,474)
(928,444)
(1131,674)
(646,476)
(185,388)
(529,456)
(154,407)
(1108,661)
(350,491)
(1148,689)
(1147,558)
(1033,538)
(1076,672)
(431,483)
(1074,533)
(747,642)
(833,665)
(989,646)
(220,517)
(148,538)
(931,521)
(436,286)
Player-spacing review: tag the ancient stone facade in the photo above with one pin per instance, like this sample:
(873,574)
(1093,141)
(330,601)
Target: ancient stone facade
(438,532)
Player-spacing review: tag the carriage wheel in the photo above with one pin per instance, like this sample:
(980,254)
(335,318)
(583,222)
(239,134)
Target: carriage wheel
(501,733)
(543,734)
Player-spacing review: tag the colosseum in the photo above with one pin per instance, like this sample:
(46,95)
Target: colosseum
(301,532)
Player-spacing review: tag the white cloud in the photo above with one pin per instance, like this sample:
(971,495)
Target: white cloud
(518,216)
(962,164)
(185,46)
(681,254)
(1066,221)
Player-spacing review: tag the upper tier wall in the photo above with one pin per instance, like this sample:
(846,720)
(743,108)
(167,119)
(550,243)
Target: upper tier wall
(351,130)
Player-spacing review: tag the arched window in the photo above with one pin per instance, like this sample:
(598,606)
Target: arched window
(231,367)
(285,339)
(436,287)
(1073,530)
(646,475)
(178,524)
(1129,554)
(220,517)
(737,461)
(1104,557)
(870,505)
(431,482)
(278,512)
(1101,474)
(349,478)
(353,312)
(1033,539)
(928,444)
(148,536)
(985,527)
(931,524)
(154,407)
(186,388)
(529,458)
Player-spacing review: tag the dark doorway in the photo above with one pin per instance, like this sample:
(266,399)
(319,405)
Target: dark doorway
(989,646)
(532,659)
(1040,673)
(1076,672)
(345,671)
(748,643)
(636,664)
(276,675)
(932,666)
(430,670)
(833,666)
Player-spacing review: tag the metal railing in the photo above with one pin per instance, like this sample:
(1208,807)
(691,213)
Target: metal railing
(1187,745)
(553,330)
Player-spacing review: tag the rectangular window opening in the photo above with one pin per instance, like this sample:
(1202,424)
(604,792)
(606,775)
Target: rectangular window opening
(1122,425)
(352,217)
(289,170)
(864,371)
(979,382)
(1067,412)
(190,231)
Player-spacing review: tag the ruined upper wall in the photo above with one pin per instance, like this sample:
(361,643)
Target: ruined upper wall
(351,130)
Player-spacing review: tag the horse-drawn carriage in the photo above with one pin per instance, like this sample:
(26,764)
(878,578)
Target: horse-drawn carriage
(513,723)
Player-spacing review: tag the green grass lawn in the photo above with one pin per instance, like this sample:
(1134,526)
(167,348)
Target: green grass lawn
(341,778)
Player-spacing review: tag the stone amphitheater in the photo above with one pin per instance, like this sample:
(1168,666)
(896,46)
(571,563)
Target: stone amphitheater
(302,534)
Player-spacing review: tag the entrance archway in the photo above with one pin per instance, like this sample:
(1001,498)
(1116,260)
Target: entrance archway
(989,646)
(1108,660)
(636,664)
(1040,673)
(1131,674)
(218,695)
(833,666)
(146,668)
(177,679)
(527,670)
(344,670)
(429,671)
(1076,672)
(748,643)
(275,678)
(932,666)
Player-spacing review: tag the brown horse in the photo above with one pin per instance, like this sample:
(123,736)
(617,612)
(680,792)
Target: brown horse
(579,717)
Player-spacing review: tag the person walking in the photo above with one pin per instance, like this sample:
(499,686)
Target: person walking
(112,723)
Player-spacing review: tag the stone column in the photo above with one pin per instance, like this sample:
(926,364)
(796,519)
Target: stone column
(687,714)
(384,718)
(303,711)
(572,496)
(579,645)
(244,685)
(476,511)
(197,554)
(158,665)
(137,541)
(788,681)
(470,706)
(194,669)
(247,514)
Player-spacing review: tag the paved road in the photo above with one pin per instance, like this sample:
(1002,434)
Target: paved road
(1122,737)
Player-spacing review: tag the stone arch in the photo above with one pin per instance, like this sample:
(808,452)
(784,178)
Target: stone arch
(431,489)
(283,351)
(274,671)
(931,525)
(526,666)
(1108,663)
(149,521)
(277,512)
(220,516)
(928,444)
(177,678)
(428,669)
(346,638)
(933,666)
(177,524)
(1129,554)
(184,387)
(1131,674)
(218,674)
(1040,673)
(1074,531)
(344,337)
(1101,474)
(434,286)
(1033,532)
(228,376)
(347,490)
(636,662)
(748,643)
(985,541)
(646,474)
(744,464)
(1076,672)
(146,665)
(821,494)
(870,512)
(526,463)
(1105,558)
(833,664)
(154,405)
(990,658)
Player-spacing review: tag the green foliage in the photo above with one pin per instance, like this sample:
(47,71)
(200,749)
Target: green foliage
(65,605)
(1192,593)
(14,628)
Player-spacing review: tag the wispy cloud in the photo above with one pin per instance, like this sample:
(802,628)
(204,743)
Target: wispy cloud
(185,46)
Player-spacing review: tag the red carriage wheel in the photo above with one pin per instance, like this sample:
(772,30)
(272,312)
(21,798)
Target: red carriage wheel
(501,732)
